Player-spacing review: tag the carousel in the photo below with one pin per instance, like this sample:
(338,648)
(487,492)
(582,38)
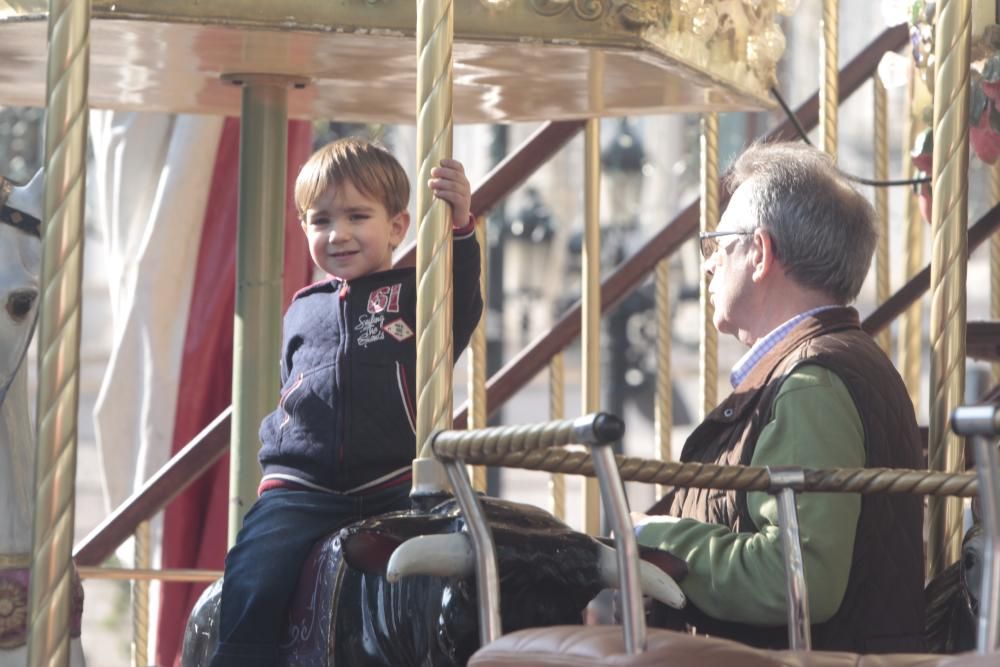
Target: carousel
(435,63)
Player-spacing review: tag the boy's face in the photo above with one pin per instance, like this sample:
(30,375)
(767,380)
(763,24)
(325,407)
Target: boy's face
(351,235)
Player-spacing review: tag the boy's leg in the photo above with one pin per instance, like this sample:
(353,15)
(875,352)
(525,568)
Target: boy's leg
(262,570)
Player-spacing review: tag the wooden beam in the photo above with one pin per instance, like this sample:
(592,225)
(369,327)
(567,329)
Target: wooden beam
(184,467)
(983,341)
(915,287)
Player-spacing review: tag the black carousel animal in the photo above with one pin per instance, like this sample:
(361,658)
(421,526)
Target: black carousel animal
(400,589)
(952,599)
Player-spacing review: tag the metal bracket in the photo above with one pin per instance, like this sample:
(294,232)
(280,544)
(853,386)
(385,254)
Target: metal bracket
(785,481)
(251,79)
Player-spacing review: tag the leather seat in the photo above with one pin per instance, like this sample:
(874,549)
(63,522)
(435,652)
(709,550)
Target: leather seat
(604,645)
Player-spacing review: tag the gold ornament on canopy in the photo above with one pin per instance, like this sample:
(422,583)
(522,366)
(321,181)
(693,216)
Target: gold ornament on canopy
(984,83)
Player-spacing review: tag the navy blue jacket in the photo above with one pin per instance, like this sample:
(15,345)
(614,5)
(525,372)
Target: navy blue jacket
(346,419)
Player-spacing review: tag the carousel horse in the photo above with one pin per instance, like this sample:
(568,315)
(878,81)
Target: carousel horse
(20,264)
(400,589)
(953,599)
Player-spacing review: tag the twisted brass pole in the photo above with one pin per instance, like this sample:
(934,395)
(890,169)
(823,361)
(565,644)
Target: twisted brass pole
(531,447)
(995,265)
(59,331)
(591,312)
(435,34)
(477,357)
(140,599)
(709,344)
(828,75)
(948,266)
(663,417)
(557,402)
(912,325)
(884,338)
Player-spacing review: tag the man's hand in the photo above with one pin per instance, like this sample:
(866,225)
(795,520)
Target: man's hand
(448,182)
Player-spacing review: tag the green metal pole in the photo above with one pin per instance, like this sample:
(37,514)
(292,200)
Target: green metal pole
(259,272)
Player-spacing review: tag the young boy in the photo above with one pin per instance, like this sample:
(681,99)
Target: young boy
(338,448)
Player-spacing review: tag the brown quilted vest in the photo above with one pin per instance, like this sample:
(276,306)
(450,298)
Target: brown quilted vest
(883,607)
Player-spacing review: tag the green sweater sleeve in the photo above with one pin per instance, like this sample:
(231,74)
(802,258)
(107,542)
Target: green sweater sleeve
(740,576)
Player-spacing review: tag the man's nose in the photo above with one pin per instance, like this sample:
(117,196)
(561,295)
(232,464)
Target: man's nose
(708,265)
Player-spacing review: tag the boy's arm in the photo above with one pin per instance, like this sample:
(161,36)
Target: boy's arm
(467,298)
(283,363)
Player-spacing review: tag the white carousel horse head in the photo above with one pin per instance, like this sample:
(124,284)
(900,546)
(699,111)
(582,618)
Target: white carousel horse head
(20,264)
(28,198)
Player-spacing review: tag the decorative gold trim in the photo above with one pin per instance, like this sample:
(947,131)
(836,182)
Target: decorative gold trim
(881,150)
(587,10)
(5,188)
(58,337)
(590,334)
(15,561)
(829,74)
(435,37)
(949,254)
(13,613)
(663,417)
(557,402)
(708,347)
(136,574)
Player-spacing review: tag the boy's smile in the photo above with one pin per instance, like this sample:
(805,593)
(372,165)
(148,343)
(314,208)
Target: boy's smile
(350,234)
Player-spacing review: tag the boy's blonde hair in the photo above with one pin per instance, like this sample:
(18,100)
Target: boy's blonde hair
(367,166)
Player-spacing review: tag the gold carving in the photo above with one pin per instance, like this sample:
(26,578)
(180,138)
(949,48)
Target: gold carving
(588,10)
(18,561)
(634,15)
(13,614)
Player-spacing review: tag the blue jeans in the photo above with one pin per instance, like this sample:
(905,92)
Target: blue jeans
(262,568)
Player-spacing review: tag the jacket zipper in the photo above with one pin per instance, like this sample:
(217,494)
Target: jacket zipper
(341,358)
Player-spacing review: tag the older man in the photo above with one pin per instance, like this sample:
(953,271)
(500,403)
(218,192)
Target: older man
(813,390)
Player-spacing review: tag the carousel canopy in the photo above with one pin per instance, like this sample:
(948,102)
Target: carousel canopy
(514,59)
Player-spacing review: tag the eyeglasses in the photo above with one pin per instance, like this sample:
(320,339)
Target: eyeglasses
(708,243)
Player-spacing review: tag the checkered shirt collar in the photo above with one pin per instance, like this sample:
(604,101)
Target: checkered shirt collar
(764,345)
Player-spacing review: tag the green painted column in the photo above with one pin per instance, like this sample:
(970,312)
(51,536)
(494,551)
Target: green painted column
(259,275)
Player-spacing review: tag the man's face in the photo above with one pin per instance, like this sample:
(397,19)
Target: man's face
(351,235)
(730,267)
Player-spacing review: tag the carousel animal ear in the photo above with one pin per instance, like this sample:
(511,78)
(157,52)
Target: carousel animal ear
(368,551)
(28,198)
(368,545)
(676,568)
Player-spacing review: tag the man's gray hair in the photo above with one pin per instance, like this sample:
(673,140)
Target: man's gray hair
(823,231)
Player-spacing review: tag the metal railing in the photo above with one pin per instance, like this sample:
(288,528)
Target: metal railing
(524,445)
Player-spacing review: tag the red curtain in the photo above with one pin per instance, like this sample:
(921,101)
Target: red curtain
(194,529)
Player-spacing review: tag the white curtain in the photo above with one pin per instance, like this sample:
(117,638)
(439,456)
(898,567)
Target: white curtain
(152,174)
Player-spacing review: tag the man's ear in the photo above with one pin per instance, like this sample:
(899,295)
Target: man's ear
(762,254)
(397,228)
